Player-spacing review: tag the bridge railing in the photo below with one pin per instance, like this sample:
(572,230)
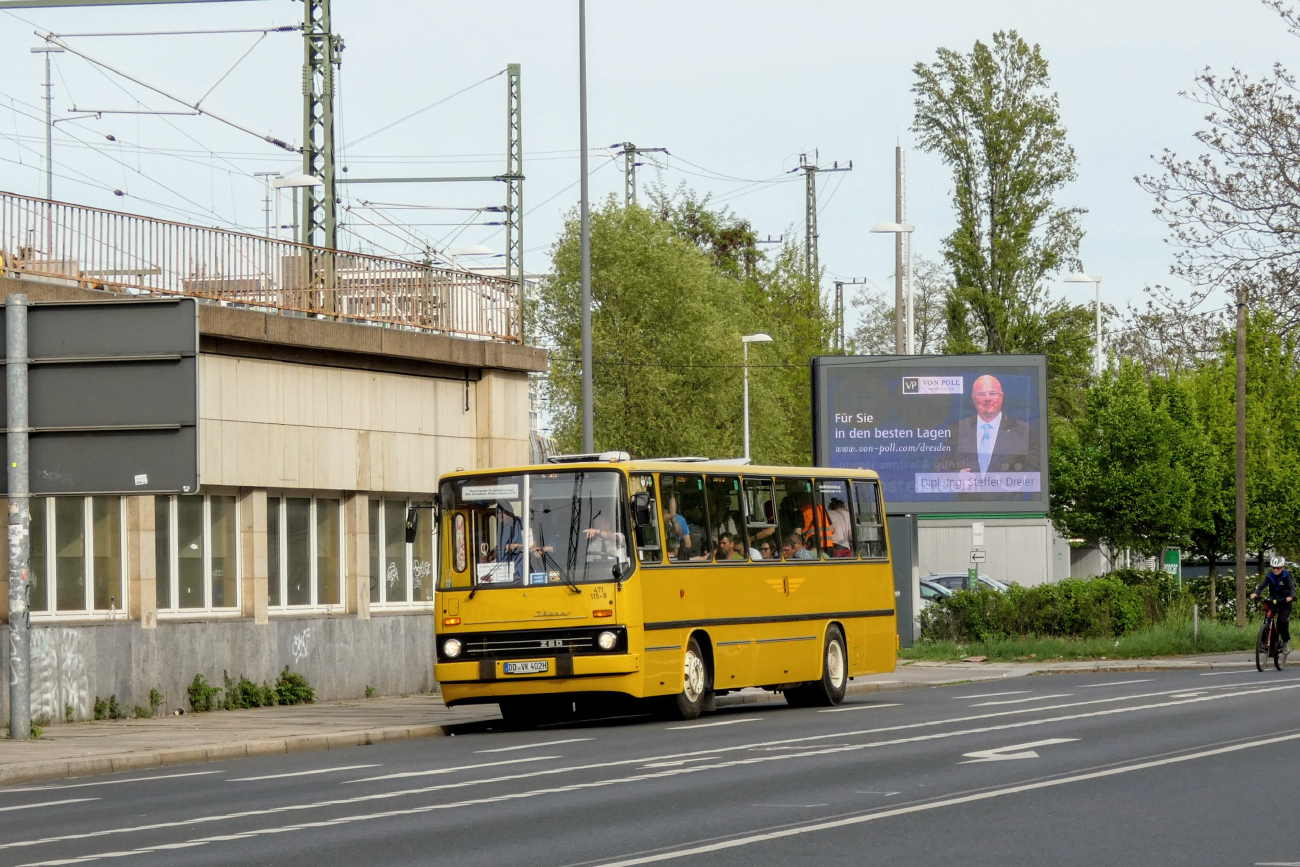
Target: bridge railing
(103,249)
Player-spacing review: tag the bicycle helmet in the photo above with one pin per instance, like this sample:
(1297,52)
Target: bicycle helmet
(1277,562)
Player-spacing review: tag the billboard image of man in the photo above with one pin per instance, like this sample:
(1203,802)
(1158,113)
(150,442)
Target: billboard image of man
(991,442)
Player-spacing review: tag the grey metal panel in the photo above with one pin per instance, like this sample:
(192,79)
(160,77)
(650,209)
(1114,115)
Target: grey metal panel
(113,397)
(903,551)
(108,462)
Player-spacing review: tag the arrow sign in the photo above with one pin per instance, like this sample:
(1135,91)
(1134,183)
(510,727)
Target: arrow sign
(1016,751)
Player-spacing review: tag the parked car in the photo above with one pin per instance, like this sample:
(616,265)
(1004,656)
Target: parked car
(931,591)
(954,581)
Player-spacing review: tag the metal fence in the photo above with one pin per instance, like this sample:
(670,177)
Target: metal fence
(110,250)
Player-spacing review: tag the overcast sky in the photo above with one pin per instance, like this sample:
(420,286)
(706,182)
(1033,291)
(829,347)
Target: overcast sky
(734,90)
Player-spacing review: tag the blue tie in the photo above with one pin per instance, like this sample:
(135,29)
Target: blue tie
(985,450)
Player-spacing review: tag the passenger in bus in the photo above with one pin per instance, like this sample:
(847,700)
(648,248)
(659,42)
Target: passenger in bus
(816,524)
(727,548)
(674,522)
(604,541)
(841,528)
(794,548)
(766,551)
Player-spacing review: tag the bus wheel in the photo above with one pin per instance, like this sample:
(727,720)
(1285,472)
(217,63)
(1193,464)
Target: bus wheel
(695,683)
(834,680)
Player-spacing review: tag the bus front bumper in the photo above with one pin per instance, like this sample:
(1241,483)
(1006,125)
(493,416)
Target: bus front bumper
(487,678)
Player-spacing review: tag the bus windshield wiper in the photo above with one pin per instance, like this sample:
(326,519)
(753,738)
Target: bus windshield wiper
(549,558)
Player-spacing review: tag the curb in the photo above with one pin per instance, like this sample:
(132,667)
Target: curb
(30,772)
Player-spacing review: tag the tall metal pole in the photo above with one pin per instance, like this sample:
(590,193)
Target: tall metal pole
(321,50)
(811,265)
(629,174)
(1241,455)
(745,350)
(49,130)
(584,233)
(1099,328)
(515,186)
(20,648)
(911,298)
(899,218)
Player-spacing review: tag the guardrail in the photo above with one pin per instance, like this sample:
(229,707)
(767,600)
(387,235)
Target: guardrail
(103,249)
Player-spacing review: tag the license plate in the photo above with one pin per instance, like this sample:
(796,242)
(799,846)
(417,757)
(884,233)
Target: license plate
(539,666)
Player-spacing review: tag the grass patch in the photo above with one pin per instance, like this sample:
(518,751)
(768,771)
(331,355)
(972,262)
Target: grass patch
(1172,637)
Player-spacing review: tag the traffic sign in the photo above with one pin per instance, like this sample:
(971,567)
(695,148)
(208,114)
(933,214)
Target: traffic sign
(977,555)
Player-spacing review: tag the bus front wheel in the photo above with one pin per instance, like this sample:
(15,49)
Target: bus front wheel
(688,703)
(834,680)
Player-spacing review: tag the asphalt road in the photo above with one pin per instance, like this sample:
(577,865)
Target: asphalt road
(1126,768)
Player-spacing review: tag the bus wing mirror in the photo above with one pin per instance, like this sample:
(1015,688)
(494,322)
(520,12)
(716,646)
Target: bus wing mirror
(412,524)
(642,513)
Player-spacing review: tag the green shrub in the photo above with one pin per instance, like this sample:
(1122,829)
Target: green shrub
(245,694)
(292,688)
(142,712)
(203,695)
(1108,606)
(109,709)
(155,701)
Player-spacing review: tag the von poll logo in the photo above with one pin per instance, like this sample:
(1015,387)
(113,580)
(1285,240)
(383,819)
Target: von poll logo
(934,385)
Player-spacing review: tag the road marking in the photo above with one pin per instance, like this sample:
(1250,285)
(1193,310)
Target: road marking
(679,762)
(860,707)
(790,806)
(709,725)
(108,782)
(1221,673)
(1022,700)
(886,794)
(534,746)
(301,773)
(934,805)
(462,784)
(680,853)
(46,804)
(437,771)
(991,694)
(1018,751)
(1187,695)
(1113,683)
(1277,864)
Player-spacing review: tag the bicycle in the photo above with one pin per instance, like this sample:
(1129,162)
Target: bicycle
(1269,644)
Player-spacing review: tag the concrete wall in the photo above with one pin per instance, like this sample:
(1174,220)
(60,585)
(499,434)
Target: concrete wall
(1022,550)
(339,656)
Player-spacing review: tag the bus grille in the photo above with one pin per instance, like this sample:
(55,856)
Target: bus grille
(533,643)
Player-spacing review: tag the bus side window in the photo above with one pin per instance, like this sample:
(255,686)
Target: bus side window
(799,514)
(686,520)
(648,549)
(726,519)
(833,507)
(760,519)
(869,528)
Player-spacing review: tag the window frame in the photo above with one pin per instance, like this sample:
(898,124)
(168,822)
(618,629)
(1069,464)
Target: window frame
(51,611)
(174,611)
(281,498)
(377,544)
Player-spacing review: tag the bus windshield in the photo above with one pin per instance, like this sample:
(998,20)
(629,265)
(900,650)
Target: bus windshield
(536,528)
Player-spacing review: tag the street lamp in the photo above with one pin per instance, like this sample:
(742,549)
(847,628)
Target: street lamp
(905,229)
(292,182)
(47,50)
(745,341)
(1089,278)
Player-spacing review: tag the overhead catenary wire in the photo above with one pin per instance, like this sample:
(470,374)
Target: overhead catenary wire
(421,111)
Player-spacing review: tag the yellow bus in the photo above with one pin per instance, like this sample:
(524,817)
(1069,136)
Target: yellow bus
(598,576)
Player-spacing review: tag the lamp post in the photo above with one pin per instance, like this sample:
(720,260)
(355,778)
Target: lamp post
(1089,278)
(292,182)
(744,342)
(905,229)
(47,50)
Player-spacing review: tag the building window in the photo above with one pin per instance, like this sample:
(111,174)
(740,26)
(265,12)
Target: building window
(401,574)
(304,552)
(76,545)
(196,554)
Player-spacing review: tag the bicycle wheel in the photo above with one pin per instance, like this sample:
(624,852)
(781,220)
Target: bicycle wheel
(1279,661)
(1261,646)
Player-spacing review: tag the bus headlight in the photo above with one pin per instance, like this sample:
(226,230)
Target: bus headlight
(607,640)
(451,648)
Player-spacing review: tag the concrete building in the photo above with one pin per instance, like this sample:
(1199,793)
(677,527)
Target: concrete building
(316,434)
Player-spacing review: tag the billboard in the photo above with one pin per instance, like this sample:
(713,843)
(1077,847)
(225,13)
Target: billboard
(947,434)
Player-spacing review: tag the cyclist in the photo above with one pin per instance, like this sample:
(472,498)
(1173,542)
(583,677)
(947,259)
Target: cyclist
(1281,589)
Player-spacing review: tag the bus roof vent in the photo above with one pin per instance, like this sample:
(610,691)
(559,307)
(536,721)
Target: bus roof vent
(610,457)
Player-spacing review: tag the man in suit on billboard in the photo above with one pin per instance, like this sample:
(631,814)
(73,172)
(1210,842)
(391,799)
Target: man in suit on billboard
(990,442)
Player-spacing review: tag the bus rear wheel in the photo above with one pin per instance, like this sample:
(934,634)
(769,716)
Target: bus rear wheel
(834,680)
(688,703)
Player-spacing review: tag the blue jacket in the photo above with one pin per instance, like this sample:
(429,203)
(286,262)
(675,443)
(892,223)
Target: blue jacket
(1279,586)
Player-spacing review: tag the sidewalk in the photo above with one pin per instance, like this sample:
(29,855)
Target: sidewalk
(83,749)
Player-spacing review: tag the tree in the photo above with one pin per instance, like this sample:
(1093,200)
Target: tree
(1233,209)
(1123,474)
(992,118)
(674,287)
(665,339)
(875,332)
